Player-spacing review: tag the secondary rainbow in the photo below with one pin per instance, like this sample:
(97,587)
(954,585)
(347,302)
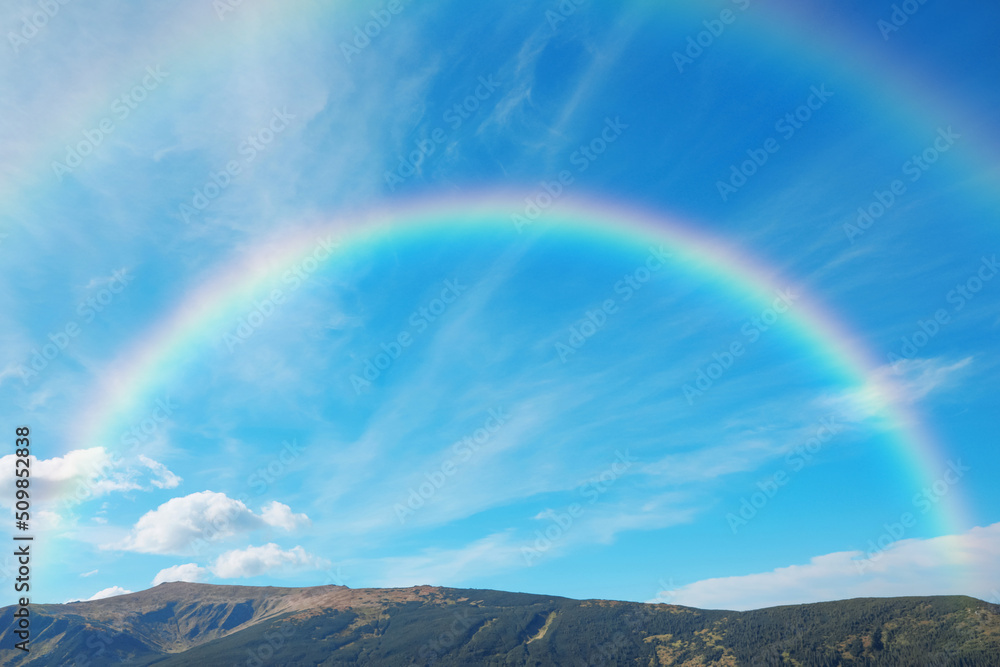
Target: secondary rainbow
(895,91)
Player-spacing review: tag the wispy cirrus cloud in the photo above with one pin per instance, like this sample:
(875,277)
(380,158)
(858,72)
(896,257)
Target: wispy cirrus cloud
(905,384)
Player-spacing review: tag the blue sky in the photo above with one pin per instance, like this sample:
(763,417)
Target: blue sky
(485,453)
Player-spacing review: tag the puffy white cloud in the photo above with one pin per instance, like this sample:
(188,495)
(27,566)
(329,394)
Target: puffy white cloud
(84,474)
(180,524)
(79,463)
(267,559)
(186,572)
(108,593)
(76,463)
(280,516)
(952,564)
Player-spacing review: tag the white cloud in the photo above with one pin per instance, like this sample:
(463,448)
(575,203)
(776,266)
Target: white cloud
(923,376)
(338,321)
(556,534)
(442,567)
(964,564)
(280,516)
(101,281)
(11,370)
(177,525)
(743,449)
(77,463)
(604,522)
(711,462)
(108,593)
(906,382)
(267,559)
(186,572)
(164,479)
(47,520)
(85,474)
(89,574)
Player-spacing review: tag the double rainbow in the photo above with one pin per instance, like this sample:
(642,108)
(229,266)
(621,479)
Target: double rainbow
(897,93)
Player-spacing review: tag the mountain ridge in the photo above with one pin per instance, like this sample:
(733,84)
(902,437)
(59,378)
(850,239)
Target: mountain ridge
(188,623)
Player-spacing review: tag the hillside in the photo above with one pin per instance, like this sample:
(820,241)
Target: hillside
(186,624)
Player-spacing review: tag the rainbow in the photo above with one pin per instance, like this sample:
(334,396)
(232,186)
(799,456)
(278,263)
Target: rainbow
(898,94)
(893,90)
(129,386)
